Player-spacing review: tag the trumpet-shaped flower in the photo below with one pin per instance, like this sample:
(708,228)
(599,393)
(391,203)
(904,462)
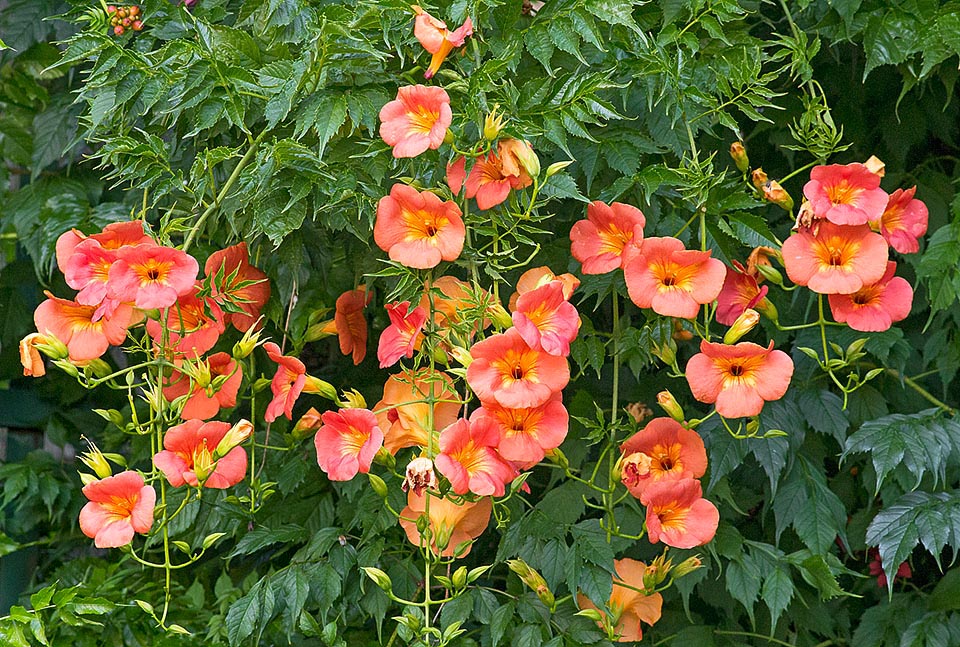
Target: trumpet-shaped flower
(193,324)
(351,324)
(87,270)
(875,307)
(546,320)
(837,260)
(206,400)
(493,175)
(845,194)
(416,120)
(507,371)
(188,456)
(119,506)
(287,383)
(400,337)
(404,412)
(468,458)
(600,242)
(151,276)
(417,229)
(740,292)
(347,442)
(437,39)
(86,336)
(450,524)
(739,378)
(113,237)
(674,452)
(526,434)
(672,280)
(904,221)
(678,515)
(630,602)
(238,282)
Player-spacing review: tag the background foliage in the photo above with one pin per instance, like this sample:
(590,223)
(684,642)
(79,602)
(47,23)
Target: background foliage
(258,118)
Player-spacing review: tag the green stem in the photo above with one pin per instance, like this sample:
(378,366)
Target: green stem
(922,392)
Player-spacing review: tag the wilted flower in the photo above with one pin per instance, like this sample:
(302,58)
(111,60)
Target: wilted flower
(420,476)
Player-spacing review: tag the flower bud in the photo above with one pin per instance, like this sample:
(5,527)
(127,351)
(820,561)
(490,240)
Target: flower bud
(459,578)
(767,309)
(591,614)
(739,155)
(449,137)
(320,330)
(51,347)
(557,457)
(759,178)
(492,125)
(67,367)
(876,166)
(236,435)
(773,192)
(746,322)
(666,352)
(308,424)
(442,538)
(670,405)
(770,273)
(686,567)
(753,426)
(87,479)
(462,355)
(94,459)
(352,399)
(319,387)
(420,476)
(499,315)
(385,458)
(247,344)
(378,485)
(534,580)
(379,578)
(523,151)
(556,167)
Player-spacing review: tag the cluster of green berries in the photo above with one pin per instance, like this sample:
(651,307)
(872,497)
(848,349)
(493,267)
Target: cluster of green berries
(124,18)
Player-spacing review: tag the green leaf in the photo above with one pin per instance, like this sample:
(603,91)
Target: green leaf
(777,592)
(262,537)
(250,612)
(922,442)
(806,503)
(946,594)
(8,546)
(499,621)
(824,412)
(743,582)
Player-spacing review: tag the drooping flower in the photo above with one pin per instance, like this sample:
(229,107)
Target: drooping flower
(241,284)
(404,413)
(416,120)
(875,307)
(347,442)
(674,452)
(400,337)
(600,241)
(678,515)
(119,506)
(85,336)
(437,39)
(151,276)
(845,194)
(507,371)
(207,397)
(287,383)
(188,456)
(672,280)
(739,378)
(539,276)
(904,221)
(193,324)
(350,323)
(30,358)
(493,175)
(546,320)
(740,292)
(450,524)
(114,236)
(837,260)
(468,458)
(526,434)
(417,229)
(630,603)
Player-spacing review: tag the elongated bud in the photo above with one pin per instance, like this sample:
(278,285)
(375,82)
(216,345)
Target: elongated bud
(352,399)
(770,273)
(767,309)
(527,158)
(686,567)
(493,124)
(378,485)
(68,368)
(237,435)
(87,479)
(307,424)
(442,538)
(739,155)
(591,614)
(773,192)
(746,322)
(319,387)
(379,578)
(449,137)
(557,457)
(753,426)
(462,355)
(459,578)
(556,167)
(95,367)
(320,330)
(534,580)
(499,315)
(759,178)
(385,458)
(50,346)
(247,343)
(670,405)
(94,459)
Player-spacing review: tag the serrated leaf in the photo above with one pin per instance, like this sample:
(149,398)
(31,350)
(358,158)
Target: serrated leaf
(262,537)
(777,592)
(249,612)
